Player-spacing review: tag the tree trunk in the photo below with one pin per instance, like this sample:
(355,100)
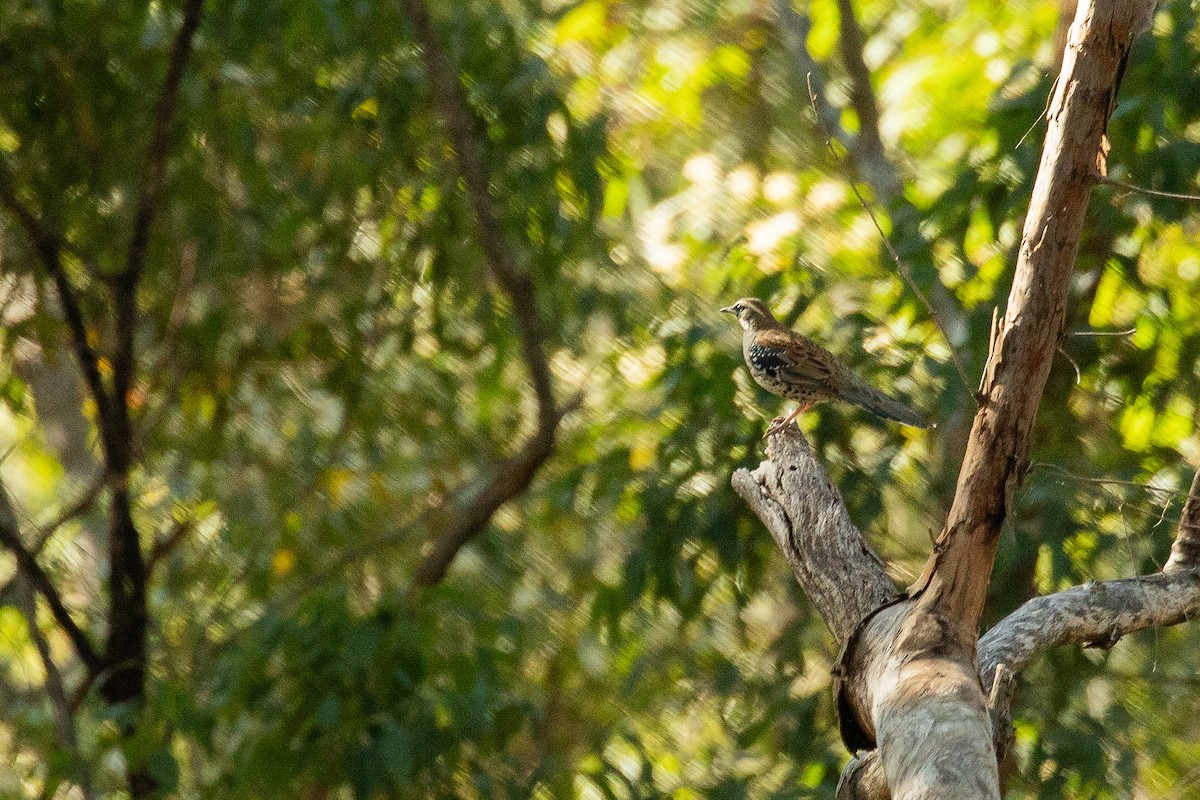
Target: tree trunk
(909,683)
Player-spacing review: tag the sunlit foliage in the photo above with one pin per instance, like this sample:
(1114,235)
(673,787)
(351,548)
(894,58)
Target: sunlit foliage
(324,365)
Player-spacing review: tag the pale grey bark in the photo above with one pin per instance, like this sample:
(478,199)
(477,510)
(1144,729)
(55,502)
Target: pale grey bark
(793,496)
(1097,614)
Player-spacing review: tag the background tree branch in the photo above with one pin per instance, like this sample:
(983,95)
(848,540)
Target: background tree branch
(794,28)
(514,475)
(509,480)
(50,247)
(868,151)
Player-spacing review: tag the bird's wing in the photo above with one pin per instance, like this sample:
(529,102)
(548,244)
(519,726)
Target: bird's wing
(788,356)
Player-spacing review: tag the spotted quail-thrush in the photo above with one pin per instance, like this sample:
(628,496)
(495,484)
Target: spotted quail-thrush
(787,364)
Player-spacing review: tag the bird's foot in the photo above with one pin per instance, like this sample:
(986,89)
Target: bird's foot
(777,424)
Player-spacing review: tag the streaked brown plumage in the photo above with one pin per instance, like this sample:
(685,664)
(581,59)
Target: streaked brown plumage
(790,365)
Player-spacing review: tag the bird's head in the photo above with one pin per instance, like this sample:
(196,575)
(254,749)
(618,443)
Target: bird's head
(752,313)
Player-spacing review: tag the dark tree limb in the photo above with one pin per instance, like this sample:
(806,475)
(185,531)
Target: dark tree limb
(128,619)
(50,247)
(39,581)
(43,534)
(64,713)
(515,474)
(868,152)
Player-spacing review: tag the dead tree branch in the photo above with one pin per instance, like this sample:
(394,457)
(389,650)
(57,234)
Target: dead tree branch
(804,512)
(1101,613)
(1096,614)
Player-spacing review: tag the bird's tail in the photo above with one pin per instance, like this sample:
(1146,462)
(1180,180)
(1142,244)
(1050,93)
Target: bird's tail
(881,404)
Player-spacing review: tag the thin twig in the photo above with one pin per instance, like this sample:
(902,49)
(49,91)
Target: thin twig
(900,266)
(1045,110)
(1186,198)
(1129,332)
(1101,481)
(1074,363)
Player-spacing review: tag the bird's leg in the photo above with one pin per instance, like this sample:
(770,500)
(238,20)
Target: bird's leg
(777,425)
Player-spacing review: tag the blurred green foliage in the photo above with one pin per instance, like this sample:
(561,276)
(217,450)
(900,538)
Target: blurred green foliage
(324,364)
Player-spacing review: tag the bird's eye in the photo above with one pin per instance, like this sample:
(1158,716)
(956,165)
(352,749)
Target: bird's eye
(737,309)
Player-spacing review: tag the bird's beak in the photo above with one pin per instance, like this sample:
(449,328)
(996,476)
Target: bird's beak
(728,310)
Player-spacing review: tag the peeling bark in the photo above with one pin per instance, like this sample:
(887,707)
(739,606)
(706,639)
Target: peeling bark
(956,576)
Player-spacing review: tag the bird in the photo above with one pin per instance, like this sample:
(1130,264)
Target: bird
(793,366)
